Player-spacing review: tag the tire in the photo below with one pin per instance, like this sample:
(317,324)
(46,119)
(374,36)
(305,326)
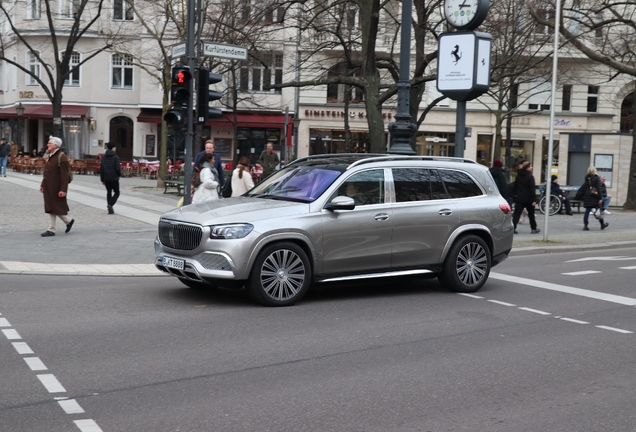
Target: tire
(467,265)
(555,204)
(196,285)
(281,275)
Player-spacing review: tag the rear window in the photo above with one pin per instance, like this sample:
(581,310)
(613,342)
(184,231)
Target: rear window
(417,184)
(459,184)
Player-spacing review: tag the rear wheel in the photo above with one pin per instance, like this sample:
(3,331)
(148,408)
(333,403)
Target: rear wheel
(467,265)
(281,275)
(554,205)
(196,285)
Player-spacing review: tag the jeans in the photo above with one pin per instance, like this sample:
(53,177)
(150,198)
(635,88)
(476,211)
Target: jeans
(3,165)
(606,202)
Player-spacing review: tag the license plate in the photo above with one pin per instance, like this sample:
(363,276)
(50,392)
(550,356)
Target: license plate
(173,263)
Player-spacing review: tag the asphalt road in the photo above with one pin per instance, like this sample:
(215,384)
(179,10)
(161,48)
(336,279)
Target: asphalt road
(541,347)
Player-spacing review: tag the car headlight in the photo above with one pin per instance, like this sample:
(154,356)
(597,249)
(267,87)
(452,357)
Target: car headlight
(230,231)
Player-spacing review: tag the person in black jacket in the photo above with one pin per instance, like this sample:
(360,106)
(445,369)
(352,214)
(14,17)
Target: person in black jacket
(110,171)
(526,197)
(555,190)
(499,176)
(590,200)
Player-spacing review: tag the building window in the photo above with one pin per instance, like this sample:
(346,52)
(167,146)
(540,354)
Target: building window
(123,10)
(260,73)
(68,8)
(34,9)
(592,98)
(598,31)
(73,79)
(567,97)
(263,11)
(514,96)
(122,71)
(541,29)
(33,65)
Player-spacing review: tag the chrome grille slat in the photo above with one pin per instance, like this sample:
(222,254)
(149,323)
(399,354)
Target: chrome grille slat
(180,236)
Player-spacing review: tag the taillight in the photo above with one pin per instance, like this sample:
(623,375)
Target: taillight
(505,208)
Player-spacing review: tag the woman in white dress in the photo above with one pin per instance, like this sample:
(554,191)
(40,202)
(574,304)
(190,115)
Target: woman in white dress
(207,190)
(241,178)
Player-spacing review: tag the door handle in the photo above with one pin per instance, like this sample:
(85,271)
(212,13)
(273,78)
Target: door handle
(381,217)
(445,212)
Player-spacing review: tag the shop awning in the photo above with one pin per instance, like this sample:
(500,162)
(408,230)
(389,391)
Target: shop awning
(45,112)
(153,115)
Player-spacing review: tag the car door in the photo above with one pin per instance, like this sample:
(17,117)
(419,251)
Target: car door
(423,218)
(358,240)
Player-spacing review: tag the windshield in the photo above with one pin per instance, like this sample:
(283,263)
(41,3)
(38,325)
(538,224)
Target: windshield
(296,183)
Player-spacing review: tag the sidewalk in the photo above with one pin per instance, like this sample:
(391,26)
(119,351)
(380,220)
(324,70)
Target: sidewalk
(122,244)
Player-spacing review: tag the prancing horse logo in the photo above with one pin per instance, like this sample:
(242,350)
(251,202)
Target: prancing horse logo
(456,54)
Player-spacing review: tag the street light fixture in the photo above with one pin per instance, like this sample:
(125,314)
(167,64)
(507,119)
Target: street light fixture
(20,112)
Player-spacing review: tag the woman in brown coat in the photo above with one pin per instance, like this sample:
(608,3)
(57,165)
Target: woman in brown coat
(54,186)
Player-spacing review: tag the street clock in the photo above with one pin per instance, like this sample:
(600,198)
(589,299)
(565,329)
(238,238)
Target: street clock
(466,14)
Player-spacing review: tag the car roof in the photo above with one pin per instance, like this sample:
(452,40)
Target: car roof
(344,161)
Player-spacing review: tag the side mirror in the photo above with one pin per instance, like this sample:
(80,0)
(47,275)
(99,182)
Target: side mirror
(341,203)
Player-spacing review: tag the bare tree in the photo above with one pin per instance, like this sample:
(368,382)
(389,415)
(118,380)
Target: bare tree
(54,51)
(604,32)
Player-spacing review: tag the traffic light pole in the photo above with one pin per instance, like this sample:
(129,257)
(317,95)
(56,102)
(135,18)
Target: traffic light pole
(190,117)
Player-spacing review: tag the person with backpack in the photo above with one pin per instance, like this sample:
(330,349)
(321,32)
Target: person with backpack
(110,171)
(54,186)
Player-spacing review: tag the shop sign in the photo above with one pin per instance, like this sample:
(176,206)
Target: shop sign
(562,122)
(341,114)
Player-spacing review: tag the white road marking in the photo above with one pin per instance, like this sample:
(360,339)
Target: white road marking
(11,334)
(22,348)
(51,383)
(572,320)
(627,301)
(613,329)
(501,303)
(535,311)
(35,363)
(70,406)
(87,425)
(628,268)
(603,258)
(579,273)
(470,295)
(4,322)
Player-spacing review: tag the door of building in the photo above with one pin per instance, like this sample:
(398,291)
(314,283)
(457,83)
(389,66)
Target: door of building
(121,133)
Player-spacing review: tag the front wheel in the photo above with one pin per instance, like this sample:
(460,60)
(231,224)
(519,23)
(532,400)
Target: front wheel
(555,204)
(467,265)
(281,275)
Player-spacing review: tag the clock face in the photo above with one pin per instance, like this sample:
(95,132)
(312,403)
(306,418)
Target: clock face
(464,14)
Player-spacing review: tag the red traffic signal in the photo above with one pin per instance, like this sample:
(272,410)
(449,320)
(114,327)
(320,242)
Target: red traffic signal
(180,88)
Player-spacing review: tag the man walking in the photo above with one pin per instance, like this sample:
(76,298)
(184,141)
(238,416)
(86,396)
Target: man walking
(109,172)
(209,148)
(54,186)
(268,160)
(5,150)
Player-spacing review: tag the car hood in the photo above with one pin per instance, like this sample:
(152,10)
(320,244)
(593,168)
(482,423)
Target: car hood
(235,210)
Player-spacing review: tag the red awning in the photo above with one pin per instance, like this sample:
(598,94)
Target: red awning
(273,121)
(45,112)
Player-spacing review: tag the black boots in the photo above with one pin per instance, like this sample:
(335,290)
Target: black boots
(585,228)
(603,224)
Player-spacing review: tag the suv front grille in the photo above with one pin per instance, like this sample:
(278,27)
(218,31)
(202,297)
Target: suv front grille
(180,236)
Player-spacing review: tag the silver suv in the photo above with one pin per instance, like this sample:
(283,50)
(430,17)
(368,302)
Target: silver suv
(343,217)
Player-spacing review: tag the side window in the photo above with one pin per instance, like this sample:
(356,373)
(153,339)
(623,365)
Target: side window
(459,184)
(412,184)
(366,187)
(437,187)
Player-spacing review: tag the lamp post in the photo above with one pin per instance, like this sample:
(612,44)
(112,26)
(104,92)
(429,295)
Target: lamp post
(296,122)
(403,128)
(20,112)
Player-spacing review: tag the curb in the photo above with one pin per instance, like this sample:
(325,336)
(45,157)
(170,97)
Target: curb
(537,250)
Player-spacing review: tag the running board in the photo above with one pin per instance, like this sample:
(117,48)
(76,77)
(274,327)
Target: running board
(377,275)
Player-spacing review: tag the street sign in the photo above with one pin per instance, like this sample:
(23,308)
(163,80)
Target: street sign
(178,50)
(224,51)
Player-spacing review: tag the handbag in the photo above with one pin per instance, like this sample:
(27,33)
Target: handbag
(593,190)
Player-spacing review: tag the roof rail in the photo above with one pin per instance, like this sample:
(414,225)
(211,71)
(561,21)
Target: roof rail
(334,155)
(403,157)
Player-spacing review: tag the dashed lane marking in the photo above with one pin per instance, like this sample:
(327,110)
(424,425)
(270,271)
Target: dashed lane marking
(4,322)
(539,312)
(628,268)
(35,363)
(11,334)
(613,329)
(22,348)
(501,303)
(87,426)
(580,273)
(70,406)
(572,320)
(51,384)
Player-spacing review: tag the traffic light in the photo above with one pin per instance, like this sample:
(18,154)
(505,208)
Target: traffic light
(179,96)
(205,96)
